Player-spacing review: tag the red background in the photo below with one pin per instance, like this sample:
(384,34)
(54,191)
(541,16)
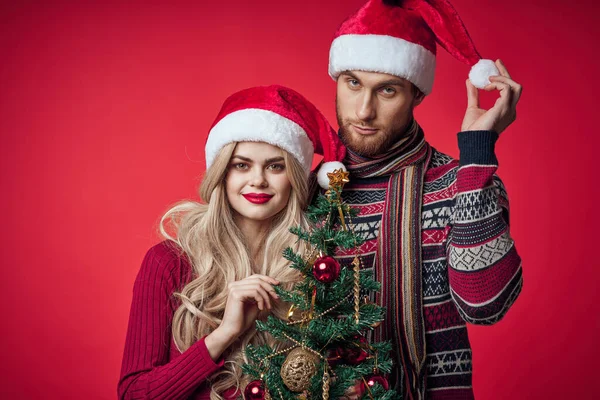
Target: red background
(104,111)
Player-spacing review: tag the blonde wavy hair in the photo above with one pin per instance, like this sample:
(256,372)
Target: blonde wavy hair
(207,234)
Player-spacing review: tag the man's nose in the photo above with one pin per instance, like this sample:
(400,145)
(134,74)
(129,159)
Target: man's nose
(365,110)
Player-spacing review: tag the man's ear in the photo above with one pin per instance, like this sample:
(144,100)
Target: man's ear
(418,97)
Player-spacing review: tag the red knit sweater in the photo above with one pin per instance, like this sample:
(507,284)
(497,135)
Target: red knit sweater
(153,367)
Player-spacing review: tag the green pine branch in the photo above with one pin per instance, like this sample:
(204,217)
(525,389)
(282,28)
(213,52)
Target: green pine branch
(334,325)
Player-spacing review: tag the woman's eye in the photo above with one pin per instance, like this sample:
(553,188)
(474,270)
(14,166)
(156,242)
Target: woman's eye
(240,166)
(276,167)
(353,82)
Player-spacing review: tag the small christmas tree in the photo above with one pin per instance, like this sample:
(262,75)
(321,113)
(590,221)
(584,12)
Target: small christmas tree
(328,352)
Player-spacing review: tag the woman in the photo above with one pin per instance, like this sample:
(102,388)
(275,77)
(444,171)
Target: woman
(198,293)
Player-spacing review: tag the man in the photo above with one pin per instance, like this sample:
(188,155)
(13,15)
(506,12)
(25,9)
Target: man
(436,229)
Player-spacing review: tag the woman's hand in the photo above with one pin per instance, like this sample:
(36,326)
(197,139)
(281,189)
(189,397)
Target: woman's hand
(245,300)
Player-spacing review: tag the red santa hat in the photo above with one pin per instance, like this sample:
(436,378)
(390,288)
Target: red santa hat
(282,117)
(398,38)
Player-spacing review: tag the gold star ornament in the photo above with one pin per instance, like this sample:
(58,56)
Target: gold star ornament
(338,178)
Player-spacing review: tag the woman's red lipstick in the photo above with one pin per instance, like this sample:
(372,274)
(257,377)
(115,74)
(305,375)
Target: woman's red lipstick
(258,198)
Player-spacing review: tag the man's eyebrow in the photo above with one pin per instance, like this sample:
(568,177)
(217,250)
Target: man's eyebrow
(391,82)
(350,74)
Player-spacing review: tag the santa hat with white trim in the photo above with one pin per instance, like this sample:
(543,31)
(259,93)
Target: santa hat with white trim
(399,38)
(282,117)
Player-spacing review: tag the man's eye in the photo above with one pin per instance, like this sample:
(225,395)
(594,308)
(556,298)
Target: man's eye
(353,82)
(389,90)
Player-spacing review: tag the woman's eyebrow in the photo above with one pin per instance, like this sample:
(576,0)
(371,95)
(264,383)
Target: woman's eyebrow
(274,159)
(242,158)
(267,161)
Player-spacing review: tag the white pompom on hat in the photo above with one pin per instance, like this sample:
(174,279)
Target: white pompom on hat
(398,37)
(279,116)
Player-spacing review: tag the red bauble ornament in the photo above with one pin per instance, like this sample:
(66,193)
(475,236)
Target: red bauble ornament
(255,391)
(372,380)
(354,354)
(360,338)
(335,356)
(326,269)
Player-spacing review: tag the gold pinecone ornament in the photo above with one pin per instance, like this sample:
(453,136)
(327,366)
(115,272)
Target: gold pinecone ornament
(298,368)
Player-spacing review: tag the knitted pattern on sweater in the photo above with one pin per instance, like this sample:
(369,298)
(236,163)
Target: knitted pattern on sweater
(471,270)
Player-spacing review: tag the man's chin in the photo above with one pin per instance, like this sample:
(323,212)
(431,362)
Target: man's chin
(365,147)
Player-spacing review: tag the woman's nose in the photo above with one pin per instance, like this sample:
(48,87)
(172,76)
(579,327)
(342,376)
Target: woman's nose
(258,178)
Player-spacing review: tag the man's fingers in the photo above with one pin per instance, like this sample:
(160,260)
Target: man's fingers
(472,95)
(503,102)
(513,85)
(503,88)
(502,68)
(514,88)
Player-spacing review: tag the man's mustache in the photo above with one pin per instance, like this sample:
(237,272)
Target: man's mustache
(361,124)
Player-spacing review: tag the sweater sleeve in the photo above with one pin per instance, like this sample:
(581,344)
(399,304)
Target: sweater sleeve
(484,267)
(146,372)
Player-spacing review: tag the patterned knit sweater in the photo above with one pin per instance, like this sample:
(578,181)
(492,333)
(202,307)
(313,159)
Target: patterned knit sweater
(471,269)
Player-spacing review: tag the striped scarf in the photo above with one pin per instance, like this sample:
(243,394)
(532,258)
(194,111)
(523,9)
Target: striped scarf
(399,250)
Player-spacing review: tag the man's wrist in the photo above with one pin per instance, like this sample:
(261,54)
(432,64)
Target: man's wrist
(477,147)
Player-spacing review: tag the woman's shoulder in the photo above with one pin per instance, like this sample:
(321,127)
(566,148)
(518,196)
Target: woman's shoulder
(167,262)
(167,250)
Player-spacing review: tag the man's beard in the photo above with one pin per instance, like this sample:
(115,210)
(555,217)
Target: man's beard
(369,146)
